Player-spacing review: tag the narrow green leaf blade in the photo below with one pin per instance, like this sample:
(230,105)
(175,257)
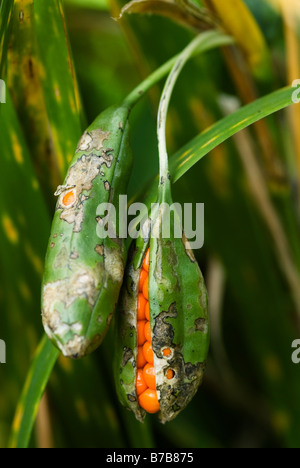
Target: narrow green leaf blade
(5,16)
(36,382)
(200,146)
(59,80)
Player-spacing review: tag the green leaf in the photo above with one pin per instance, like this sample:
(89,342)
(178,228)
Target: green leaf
(45,94)
(58,80)
(24,231)
(37,378)
(200,146)
(93,4)
(5,16)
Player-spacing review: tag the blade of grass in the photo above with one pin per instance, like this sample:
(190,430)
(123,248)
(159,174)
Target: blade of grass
(93,4)
(5,17)
(28,97)
(24,231)
(45,94)
(35,385)
(59,83)
(196,149)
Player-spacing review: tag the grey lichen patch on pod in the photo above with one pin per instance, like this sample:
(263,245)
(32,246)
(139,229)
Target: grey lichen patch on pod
(79,179)
(61,295)
(75,347)
(114,264)
(82,283)
(92,140)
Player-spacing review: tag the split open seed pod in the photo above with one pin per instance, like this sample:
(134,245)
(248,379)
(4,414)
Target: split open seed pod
(162,324)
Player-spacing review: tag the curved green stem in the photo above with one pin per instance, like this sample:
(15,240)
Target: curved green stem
(209,40)
(182,59)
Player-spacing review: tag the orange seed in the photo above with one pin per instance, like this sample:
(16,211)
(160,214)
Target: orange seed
(148,352)
(143,277)
(141,332)
(146,289)
(147,331)
(140,361)
(147,261)
(167,352)
(170,374)
(141,385)
(149,376)
(149,401)
(69,198)
(141,307)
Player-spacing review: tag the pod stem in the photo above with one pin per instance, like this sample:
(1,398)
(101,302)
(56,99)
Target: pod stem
(209,40)
(197,44)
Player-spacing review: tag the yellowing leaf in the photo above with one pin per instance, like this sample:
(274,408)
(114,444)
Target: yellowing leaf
(237,19)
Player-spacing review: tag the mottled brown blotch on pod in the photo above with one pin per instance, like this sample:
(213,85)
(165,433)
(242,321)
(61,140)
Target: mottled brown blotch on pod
(163,333)
(201,325)
(127,356)
(131,398)
(175,397)
(100,250)
(29,67)
(74,255)
(109,318)
(192,371)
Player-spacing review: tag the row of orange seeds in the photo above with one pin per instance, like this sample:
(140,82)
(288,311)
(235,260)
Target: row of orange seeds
(145,381)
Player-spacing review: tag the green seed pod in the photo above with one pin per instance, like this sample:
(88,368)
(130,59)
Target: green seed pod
(179,321)
(83,272)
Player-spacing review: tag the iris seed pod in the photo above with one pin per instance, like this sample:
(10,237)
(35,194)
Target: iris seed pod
(175,319)
(84,273)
